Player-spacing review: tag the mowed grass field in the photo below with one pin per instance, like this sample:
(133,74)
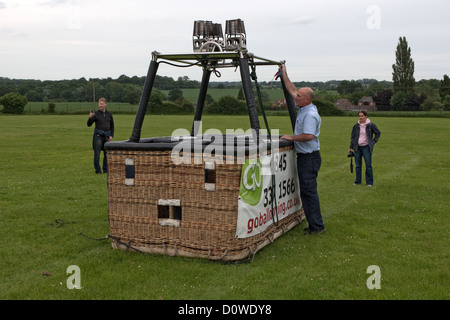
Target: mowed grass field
(50,196)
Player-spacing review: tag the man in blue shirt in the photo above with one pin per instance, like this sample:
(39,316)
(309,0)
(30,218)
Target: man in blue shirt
(307,146)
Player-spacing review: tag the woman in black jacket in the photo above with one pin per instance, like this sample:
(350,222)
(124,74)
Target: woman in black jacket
(364,136)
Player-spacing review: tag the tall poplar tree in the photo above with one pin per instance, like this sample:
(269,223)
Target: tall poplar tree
(403,75)
(444,89)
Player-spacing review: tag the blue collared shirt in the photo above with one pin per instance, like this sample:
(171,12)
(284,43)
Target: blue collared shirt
(308,122)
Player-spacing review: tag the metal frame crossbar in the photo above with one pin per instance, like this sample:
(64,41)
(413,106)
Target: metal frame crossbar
(209,61)
(218,59)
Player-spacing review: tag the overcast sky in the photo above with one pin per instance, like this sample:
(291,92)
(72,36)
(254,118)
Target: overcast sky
(320,40)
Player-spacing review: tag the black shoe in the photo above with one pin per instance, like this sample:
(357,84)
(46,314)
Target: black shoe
(311,232)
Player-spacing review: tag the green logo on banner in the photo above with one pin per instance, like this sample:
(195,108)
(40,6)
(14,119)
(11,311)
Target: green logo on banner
(251,182)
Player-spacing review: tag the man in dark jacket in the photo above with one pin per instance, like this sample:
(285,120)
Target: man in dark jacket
(103,132)
(364,136)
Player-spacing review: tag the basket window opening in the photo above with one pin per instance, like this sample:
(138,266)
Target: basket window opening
(129,172)
(169,215)
(210,176)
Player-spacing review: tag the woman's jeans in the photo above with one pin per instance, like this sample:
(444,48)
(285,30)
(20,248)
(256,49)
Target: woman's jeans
(98,143)
(308,166)
(363,151)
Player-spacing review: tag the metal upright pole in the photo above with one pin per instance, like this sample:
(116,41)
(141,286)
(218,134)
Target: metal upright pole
(201,100)
(249,96)
(290,104)
(140,114)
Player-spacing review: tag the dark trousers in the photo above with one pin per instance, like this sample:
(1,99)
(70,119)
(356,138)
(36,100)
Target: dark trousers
(363,152)
(98,144)
(308,165)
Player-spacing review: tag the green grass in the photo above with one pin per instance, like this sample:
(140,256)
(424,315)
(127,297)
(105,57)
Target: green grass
(401,224)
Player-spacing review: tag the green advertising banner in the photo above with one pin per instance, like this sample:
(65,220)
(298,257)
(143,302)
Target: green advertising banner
(260,199)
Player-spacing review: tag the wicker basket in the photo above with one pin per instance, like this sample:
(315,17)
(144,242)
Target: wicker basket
(157,206)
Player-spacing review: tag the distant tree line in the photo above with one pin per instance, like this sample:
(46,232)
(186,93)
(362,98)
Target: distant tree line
(128,89)
(123,89)
(426,95)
